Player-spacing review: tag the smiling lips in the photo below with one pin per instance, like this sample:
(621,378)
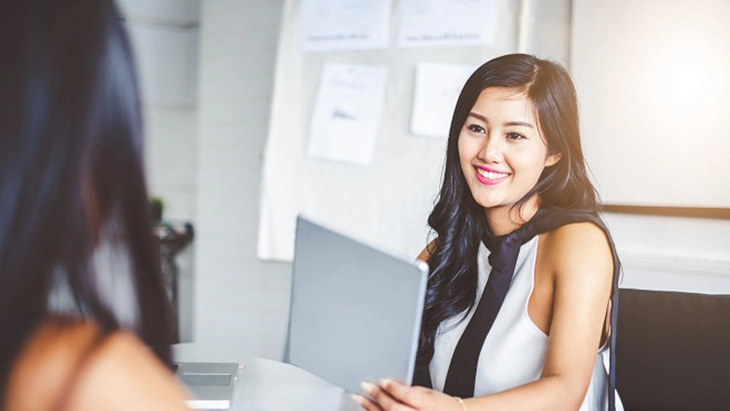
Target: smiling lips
(490,177)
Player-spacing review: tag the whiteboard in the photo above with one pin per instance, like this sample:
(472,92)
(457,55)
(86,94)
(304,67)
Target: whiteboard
(654,92)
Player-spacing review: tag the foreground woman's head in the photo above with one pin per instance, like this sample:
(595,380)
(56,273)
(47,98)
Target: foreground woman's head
(71,175)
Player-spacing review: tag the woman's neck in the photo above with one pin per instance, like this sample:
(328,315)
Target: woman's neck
(504,220)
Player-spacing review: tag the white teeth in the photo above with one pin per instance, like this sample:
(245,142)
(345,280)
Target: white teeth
(490,174)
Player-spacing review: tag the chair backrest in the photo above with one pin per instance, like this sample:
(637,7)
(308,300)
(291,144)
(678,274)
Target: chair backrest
(673,351)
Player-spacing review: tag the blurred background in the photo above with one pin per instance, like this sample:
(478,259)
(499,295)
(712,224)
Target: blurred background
(208,69)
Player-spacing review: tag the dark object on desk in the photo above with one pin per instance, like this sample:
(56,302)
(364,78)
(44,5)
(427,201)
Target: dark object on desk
(172,238)
(673,351)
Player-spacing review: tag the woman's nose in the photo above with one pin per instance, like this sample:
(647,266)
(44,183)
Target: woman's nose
(491,151)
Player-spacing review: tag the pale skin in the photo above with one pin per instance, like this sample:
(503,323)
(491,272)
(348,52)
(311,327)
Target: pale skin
(573,271)
(121,373)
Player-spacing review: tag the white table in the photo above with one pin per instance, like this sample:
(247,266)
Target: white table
(267,385)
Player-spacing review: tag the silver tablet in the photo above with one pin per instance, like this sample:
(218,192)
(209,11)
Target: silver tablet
(355,311)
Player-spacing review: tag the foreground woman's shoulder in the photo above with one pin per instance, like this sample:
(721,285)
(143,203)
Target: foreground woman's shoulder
(67,362)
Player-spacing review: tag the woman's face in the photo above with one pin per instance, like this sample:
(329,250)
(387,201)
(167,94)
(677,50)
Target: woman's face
(501,149)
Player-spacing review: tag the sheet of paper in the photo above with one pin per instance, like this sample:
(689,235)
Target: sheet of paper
(335,25)
(425,23)
(435,92)
(347,112)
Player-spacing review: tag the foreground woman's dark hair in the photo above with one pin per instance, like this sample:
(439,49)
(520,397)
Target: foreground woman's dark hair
(71,171)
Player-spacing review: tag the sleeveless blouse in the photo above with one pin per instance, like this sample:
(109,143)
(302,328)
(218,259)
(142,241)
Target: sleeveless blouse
(514,351)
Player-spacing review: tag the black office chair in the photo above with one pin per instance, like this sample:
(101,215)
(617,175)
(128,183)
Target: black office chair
(673,351)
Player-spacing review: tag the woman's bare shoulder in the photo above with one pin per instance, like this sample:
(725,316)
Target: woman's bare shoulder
(46,363)
(127,372)
(578,247)
(119,373)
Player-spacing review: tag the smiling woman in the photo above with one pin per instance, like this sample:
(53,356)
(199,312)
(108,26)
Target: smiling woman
(523,271)
(501,149)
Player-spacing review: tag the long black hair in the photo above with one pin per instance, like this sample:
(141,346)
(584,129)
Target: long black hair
(460,223)
(71,164)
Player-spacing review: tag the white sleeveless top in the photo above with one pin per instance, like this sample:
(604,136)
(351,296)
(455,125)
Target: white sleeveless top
(514,351)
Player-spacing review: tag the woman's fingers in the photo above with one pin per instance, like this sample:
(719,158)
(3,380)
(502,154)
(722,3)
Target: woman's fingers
(383,399)
(418,398)
(401,392)
(395,396)
(366,403)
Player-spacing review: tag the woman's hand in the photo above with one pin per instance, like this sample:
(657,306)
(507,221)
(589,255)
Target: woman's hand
(393,396)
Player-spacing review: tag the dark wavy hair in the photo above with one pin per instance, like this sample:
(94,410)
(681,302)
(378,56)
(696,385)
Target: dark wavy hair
(460,223)
(70,163)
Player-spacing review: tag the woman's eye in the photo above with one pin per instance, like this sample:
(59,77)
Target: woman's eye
(475,128)
(515,136)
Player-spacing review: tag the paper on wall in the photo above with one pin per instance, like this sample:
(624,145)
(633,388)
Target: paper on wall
(335,25)
(436,89)
(425,23)
(347,113)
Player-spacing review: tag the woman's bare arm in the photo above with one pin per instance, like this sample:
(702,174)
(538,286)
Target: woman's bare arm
(428,251)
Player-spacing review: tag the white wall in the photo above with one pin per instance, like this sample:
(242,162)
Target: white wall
(673,253)
(164,36)
(240,301)
(181,13)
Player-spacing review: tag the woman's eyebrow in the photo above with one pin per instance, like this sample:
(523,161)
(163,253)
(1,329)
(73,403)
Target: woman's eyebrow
(509,123)
(478,117)
(519,124)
